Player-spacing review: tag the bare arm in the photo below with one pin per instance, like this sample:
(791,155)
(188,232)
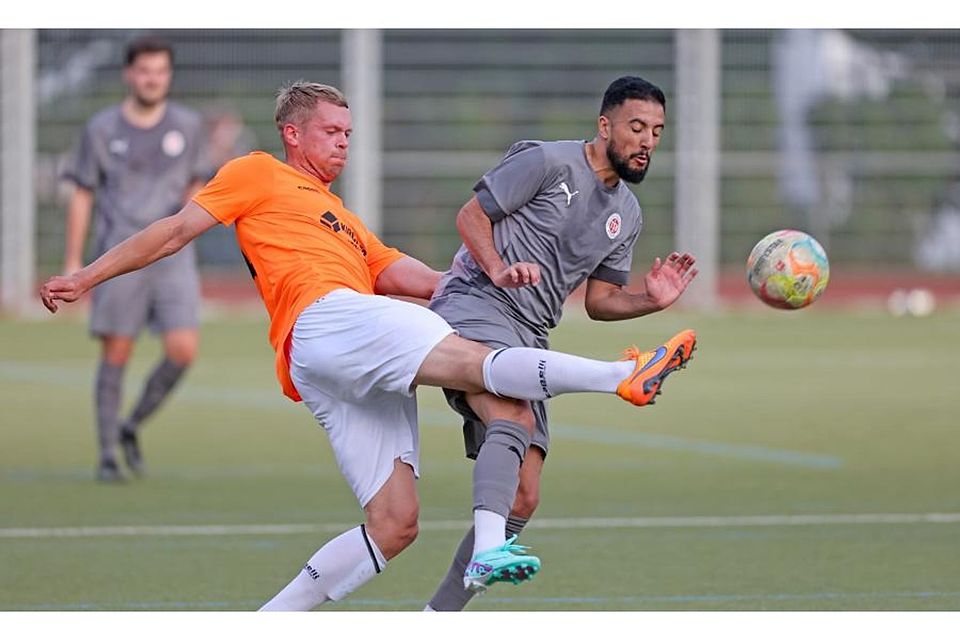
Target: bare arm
(477,232)
(162,238)
(607,301)
(663,284)
(407,277)
(79,210)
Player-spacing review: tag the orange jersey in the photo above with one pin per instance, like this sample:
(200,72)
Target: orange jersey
(298,239)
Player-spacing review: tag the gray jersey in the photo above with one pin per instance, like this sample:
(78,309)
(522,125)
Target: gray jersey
(550,209)
(138,175)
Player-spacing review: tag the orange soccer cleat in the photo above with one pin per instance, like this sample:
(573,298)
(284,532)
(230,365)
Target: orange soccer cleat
(643,385)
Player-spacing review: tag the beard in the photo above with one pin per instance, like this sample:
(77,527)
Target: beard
(621,165)
(148,98)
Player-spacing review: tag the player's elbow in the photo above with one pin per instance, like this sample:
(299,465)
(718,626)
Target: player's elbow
(597,311)
(173,244)
(463,221)
(173,234)
(470,216)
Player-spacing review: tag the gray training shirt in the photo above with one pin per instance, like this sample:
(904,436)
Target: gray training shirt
(139,175)
(550,209)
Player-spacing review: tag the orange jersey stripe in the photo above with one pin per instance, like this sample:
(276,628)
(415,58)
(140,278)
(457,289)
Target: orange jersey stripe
(298,239)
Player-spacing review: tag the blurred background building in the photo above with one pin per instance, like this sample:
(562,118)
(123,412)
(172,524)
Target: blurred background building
(850,135)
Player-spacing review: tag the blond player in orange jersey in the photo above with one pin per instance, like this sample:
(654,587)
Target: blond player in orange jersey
(355,356)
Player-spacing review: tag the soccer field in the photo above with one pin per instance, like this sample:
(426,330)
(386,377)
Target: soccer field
(804,461)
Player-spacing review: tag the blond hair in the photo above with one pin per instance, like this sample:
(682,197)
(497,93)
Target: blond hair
(297,99)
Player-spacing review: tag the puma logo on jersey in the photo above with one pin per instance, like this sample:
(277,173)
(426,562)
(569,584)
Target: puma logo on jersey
(566,191)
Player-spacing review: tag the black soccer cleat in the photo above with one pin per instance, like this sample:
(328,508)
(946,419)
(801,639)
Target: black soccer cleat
(109,473)
(131,450)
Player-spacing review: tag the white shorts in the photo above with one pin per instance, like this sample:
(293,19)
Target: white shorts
(353,359)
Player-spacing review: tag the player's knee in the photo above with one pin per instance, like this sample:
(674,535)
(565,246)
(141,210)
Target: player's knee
(117,352)
(180,347)
(182,355)
(396,529)
(117,360)
(517,411)
(182,359)
(407,532)
(522,414)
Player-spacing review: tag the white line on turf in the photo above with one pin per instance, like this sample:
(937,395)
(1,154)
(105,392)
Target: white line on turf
(353,603)
(270,401)
(687,522)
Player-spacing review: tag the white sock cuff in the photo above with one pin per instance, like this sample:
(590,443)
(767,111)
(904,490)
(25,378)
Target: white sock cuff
(487,377)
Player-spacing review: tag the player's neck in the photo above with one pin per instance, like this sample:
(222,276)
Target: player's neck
(598,161)
(140,115)
(303,166)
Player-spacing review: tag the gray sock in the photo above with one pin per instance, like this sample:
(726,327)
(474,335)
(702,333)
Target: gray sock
(107,390)
(450,595)
(496,472)
(161,382)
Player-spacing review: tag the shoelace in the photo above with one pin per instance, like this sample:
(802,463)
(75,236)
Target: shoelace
(515,549)
(633,353)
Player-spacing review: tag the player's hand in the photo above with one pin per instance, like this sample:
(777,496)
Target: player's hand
(66,288)
(517,275)
(667,280)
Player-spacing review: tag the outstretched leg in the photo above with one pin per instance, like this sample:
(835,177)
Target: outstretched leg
(538,374)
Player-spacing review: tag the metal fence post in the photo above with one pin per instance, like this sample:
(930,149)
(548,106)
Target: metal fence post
(362,79)
(17,160)
(697,169)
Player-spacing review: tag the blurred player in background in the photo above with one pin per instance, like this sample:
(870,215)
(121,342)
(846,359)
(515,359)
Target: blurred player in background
(137,162)
(548,217)
(355,358)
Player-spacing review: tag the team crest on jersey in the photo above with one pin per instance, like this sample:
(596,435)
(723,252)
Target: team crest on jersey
(613,226)
(173,143)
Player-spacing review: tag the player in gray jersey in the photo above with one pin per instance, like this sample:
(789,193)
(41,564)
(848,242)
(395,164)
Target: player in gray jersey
(137,162)
(550,216)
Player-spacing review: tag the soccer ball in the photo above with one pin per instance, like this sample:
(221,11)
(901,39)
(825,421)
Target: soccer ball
(788,269)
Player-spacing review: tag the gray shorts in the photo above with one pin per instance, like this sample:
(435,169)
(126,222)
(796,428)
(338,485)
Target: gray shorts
(477,318)
(163,296)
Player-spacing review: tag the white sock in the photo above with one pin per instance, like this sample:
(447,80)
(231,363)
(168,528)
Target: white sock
(336,569)
(538,374)
(490,530)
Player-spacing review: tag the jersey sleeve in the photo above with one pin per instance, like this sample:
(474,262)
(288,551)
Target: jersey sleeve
(616,267)
(237,188)
(512,183)
(83,168)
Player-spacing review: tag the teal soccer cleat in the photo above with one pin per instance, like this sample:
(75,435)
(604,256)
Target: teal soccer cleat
(503,564)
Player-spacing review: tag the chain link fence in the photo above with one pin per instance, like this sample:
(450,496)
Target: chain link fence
(851,135)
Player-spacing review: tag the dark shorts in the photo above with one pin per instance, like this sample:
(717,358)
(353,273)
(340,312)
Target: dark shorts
(163,296)
(478,319)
